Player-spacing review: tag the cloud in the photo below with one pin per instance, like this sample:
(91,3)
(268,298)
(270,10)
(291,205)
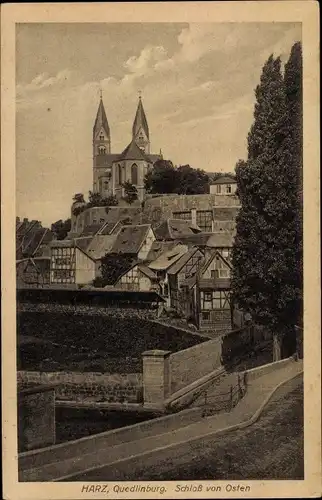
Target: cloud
(145,61)
(43,80)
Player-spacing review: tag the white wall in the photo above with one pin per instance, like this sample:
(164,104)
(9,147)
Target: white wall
(85,268)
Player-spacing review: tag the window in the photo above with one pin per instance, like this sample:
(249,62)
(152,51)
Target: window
(62,261)
(218,189)
(228,188)
(101,150)
(182,215)
(224,273)
(204,220)
(214,273)
(206,316)
(106,185)
(101,137)
(208,296)
(165,290)
(134,174)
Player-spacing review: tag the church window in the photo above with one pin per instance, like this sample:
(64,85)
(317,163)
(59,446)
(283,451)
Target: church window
(101,137)
(101,150)
(134,174)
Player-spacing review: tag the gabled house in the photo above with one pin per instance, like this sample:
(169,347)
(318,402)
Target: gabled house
(33,271)
(134,240)
(207,295)
(138,278)
(186,267)
(99,246)
(221,241)
(70,264)
(163,263)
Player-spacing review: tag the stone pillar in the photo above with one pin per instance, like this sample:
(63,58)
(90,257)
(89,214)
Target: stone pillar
(156,378)
(194,216)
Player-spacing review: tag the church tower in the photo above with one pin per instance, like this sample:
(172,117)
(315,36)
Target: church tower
(101,149)
(140,129)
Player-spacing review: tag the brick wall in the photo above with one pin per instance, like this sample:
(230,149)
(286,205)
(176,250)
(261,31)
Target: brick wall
(36,418)
(89,386)
(189,365)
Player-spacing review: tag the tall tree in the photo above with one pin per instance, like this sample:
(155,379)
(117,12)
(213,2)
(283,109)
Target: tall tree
(191,180)
(162,178)
(264,280)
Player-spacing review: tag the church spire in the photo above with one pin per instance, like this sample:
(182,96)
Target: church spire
(101,123)
(140,129)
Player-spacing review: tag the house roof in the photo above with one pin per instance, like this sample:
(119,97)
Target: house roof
(167,259)
(69,244)
(221,239)
(108,227)
(133,152)
(159,247)
(29,243)
(100,245)
(195,239)
(147,271)
(91,229)
(225,179)
(130,238)
(182,261)
(190,282)
(175,228)
(83,242)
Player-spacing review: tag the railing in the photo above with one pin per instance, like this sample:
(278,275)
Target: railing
(224,401)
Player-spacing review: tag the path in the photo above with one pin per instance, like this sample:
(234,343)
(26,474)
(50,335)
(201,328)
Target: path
(102,462)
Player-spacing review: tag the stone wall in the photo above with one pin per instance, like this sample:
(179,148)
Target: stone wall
(89,386)
(36,418)
(191,364)
(161,207)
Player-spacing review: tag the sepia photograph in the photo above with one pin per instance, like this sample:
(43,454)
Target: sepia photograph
(159,250)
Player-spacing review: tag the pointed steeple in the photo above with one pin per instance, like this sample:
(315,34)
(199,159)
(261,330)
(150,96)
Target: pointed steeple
(140,121)
(101,121)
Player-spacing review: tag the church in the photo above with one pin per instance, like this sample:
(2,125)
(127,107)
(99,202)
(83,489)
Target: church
(112,170)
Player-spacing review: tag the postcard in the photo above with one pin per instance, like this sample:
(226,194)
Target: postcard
(160,250)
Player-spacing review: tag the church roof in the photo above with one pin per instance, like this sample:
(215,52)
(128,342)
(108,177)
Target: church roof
(101,120)
(133,152)
(140,120)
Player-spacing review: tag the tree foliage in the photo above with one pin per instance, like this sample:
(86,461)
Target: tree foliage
(266,280)
(61,228)
(131,193)
(113,265)
(164,177)
(94,200)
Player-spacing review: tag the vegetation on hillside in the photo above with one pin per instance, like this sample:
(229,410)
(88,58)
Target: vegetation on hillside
(267,256)
(61,228)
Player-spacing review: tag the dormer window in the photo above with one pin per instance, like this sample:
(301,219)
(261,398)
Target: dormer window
(101,137)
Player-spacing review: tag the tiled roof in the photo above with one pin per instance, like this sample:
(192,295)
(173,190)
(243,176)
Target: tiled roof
(130,239)
(28,244)
(167,259)
(182,261)
(175,228)
(109,227)
(140,120)
(83,242)
(100,245)
(159,247)
(147,271)
(106,160)
(154,157)
(224,179)
(222,239)
(91,229)
(199,239)
(190,282)
(133,152)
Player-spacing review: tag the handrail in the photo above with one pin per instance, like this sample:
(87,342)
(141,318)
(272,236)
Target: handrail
(239,389)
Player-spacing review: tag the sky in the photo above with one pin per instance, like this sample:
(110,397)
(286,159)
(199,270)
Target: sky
(197,84)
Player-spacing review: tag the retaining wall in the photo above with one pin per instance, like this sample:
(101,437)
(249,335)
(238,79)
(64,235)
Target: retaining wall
(89,386)
(193,363)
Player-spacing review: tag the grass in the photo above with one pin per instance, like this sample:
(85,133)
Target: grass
(272,448)
(50,341)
